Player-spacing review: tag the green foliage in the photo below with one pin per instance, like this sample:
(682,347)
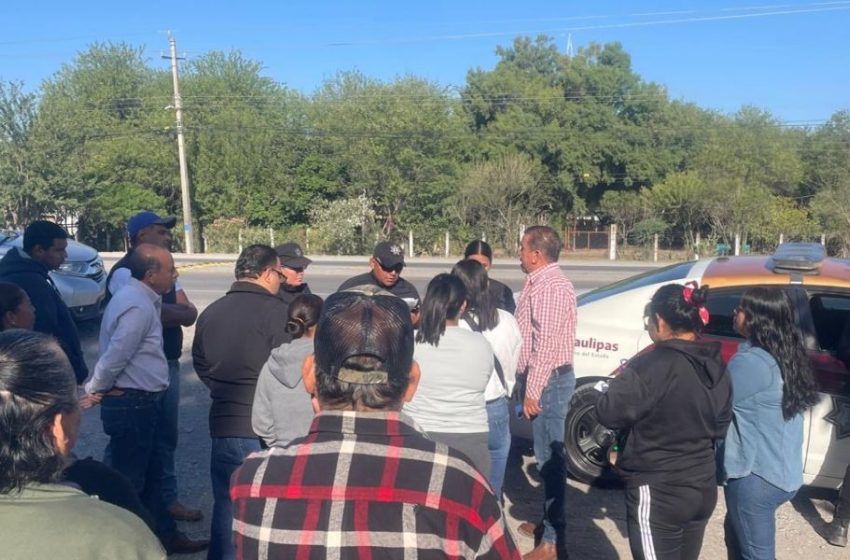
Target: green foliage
(540,136)
(645,230)
(345,226)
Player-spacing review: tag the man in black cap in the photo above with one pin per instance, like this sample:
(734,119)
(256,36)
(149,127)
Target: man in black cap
(177,312)
(293,263)
(387,262)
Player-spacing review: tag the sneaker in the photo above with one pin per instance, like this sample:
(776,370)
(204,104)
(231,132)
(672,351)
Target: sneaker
(179,512)
(181,544)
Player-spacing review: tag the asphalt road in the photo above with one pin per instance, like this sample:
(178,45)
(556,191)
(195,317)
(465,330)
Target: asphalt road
(596,516)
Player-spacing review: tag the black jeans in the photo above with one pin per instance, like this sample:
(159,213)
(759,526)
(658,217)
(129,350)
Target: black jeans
(667,521)
(842,506)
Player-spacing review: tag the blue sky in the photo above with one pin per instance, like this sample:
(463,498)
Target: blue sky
(789,57)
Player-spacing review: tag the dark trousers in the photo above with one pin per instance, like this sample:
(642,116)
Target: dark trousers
(842,507)
(549,452)
(667,521)
(168,441)
(750,524)
(226,455)
(132,421)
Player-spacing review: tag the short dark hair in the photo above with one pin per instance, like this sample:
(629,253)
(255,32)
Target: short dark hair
(478,247)
(142,259)
(42,233)
(445,296)
(304,312)
(254,260)
(546,240)
(36,383)
(11,297)
(364,333)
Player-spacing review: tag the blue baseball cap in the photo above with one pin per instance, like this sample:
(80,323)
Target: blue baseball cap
(144,219)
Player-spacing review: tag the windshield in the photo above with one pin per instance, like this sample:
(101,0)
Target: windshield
(671,273)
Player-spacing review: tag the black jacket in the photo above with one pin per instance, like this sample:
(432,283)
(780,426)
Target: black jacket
(402,288)
(673,403)
(233,339)
(503,297)
(52,316)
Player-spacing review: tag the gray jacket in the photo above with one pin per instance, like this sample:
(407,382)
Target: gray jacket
(282,409)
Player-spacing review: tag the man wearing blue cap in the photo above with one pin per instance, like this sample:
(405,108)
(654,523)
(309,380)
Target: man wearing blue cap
(177,312)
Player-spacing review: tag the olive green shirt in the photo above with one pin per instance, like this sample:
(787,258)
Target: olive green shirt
(60,522)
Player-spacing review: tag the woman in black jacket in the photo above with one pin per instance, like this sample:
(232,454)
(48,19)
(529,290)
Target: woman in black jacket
(671,403)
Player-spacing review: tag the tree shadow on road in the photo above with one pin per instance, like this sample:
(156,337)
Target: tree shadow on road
(589,509)
(815,505)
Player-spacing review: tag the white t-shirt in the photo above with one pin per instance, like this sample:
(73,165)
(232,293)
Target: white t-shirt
(450,395)
(506,341)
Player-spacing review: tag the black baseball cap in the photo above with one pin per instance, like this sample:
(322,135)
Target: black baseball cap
(291,255)
(389,254)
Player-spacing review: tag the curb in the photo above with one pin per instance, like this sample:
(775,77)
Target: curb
(201,265)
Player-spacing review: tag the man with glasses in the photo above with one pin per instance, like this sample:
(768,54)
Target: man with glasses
(233,340)
(386,263)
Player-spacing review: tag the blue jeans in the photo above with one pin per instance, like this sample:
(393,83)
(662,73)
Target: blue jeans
(499,442)
(750,524)
(226,455)
(168,442)
(133,421)
(548,430)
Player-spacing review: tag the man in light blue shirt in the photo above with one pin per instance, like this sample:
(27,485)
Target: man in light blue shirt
(129,382)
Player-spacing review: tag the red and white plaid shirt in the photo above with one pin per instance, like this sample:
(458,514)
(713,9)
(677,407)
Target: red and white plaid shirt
(546,314)
(364,485)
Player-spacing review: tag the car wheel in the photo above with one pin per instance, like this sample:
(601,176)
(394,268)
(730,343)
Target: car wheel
(587,441)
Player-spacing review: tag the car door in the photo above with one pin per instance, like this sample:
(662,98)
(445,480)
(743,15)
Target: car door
(828,451)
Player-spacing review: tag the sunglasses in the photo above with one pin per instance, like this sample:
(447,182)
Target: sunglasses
(388,269)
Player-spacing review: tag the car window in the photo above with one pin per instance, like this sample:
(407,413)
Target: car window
(831,317)
(721,306)
(672,273)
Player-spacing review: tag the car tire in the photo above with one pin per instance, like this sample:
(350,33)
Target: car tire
(587,441)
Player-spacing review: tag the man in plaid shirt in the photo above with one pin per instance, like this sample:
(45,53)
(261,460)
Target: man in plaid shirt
(546,314)
(365,481)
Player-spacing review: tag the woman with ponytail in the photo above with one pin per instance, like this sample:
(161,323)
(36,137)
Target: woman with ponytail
(282,409)
(449,403)
(671,405)
(763,452)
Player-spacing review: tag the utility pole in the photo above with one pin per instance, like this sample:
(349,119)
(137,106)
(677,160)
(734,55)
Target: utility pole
(181,151)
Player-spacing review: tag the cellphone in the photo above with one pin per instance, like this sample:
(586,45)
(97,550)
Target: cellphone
(412,303)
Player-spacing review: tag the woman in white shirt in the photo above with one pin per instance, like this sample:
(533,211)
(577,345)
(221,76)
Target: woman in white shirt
(449,403)
(502,332)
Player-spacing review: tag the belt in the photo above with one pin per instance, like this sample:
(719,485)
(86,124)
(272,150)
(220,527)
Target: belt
(120,391)
(561,370)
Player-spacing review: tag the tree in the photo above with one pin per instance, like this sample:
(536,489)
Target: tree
(501,195)
(681,200)
(19,202)
(624,208)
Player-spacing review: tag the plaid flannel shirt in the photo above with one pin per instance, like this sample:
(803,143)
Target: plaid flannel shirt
(546,314)
(361,485)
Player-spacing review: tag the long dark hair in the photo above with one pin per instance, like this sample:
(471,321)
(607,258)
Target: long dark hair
(36,383)
(11,297)
(480,306)
(443,301)
(304,312)
(770,325)
(681,315)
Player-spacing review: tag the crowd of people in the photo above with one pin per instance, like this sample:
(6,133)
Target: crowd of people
(376,422)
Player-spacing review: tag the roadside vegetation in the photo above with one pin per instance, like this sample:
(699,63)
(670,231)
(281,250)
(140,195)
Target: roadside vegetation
(539,137)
